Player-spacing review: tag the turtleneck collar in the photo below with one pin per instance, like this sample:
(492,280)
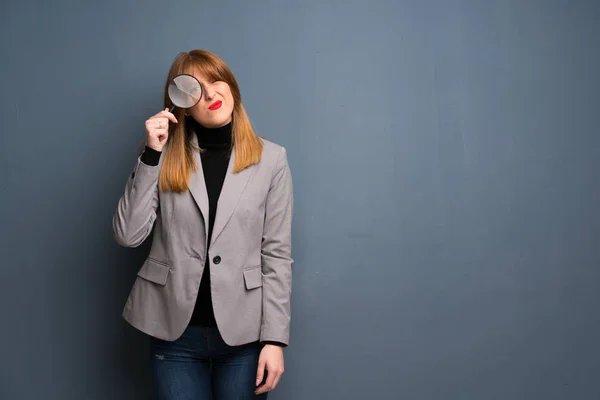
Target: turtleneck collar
(210,138)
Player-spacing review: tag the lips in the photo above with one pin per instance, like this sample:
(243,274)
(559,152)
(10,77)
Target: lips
(216,105)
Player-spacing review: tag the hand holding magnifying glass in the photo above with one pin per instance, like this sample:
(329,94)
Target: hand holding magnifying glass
(184,91)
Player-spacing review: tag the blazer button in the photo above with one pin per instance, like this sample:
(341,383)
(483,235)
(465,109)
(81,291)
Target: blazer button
(216,260)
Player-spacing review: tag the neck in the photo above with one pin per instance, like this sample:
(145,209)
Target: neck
(218,138)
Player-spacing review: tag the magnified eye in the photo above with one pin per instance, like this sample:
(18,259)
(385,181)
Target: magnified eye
(184,91)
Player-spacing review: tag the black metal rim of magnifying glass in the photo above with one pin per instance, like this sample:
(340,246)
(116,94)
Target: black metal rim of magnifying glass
(199,83)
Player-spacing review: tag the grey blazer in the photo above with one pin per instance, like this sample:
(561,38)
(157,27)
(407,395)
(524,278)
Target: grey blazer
(250,250)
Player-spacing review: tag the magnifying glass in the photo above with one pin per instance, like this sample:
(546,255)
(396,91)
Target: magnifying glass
(184,91)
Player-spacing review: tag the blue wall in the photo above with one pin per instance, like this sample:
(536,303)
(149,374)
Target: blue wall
(445,157)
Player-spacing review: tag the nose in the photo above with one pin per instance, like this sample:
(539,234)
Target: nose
(209,92)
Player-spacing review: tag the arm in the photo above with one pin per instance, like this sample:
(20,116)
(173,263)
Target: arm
(136,211)
(276,255)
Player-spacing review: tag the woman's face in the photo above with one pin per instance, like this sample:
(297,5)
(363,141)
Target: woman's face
(215,107)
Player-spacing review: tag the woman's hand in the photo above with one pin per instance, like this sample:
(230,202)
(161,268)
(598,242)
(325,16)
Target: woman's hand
(271,359)
(157,129)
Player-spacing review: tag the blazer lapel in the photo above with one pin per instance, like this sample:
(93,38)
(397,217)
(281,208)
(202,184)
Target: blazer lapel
(232,190)
(197,187)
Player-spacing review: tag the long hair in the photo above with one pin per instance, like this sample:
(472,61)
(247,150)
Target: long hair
(178,163)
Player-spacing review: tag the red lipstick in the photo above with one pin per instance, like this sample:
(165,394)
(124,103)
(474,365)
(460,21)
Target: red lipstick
(216,105)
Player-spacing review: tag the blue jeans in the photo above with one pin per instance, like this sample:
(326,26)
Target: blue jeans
(201,366)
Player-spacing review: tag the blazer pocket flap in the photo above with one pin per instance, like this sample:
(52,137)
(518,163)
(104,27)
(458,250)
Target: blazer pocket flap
(253,277)
(154,271)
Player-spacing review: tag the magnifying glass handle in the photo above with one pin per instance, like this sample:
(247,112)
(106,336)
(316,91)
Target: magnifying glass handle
(172,108)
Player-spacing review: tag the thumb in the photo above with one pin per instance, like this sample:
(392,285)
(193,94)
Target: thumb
(260,372)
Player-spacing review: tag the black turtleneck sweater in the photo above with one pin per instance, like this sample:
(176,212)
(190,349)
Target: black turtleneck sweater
(216,144)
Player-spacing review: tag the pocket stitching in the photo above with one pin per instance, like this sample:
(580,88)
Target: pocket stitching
(159,278)
(159,262)
(248,280)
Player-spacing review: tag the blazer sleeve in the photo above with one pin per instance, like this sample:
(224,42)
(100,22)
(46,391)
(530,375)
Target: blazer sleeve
(137,208)
(276,255)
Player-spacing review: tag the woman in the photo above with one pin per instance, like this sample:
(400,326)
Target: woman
(214,291)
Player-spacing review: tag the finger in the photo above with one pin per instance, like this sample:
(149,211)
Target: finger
(159,132)
(270,380)
(260,372)
(165,114)
(161,123)
(266,388)
(170,116)
(277,379)
(268,384)
(156,122)
(263,389)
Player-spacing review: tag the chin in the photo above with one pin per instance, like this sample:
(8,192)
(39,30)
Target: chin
(213,122)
